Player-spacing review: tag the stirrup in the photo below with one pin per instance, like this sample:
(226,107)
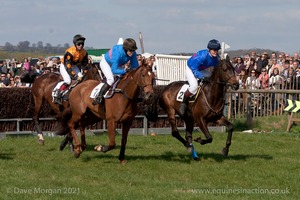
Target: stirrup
(57,100)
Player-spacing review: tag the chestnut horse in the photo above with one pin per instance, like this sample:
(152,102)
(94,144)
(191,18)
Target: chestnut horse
(120,108)
(42,90)
(207,106)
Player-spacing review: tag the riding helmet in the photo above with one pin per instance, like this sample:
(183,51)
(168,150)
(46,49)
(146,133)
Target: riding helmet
(214,44)
(78,38)
(129,44)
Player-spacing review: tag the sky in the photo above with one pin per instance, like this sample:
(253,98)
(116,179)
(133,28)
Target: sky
(166,26)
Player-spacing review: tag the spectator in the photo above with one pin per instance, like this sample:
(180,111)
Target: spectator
(252,66)
(26,65)
(252,82)
(264,79)
(4,81)
(272,65)
(275,80)
(291,81)
(284,72)
(262,62)
(239,65)
(242,77)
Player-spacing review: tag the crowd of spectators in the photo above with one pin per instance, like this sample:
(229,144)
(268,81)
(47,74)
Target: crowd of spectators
(11,70)
(254,71)
(264,71)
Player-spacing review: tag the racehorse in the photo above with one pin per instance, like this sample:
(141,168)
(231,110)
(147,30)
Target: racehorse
(207,106)
(42,91)
(120,108)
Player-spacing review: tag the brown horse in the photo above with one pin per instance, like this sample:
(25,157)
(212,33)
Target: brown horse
(120,108)
(42,91)
(207,106)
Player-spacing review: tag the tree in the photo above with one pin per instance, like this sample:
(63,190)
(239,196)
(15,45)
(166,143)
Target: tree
(8,47)
(23,46)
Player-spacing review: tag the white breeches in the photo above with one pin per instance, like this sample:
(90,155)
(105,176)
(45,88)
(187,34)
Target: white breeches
(193,82)
(106,69)
(64,73)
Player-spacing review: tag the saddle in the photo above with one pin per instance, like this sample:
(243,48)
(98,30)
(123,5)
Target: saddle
(184,87)
(113,89)
(65,94)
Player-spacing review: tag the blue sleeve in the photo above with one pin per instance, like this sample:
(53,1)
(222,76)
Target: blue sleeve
(195,62)
(133,61)
(115,62)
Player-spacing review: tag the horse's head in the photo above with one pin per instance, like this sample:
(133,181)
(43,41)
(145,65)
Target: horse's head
(93,73)
(226,74)
(145,78)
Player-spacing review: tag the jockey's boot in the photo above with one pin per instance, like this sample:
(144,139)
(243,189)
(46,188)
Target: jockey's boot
(99,97)
(185,102)
(59,96)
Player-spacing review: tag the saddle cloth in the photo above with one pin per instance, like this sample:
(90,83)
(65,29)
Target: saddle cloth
(181,92)
(56,88)
(108,94)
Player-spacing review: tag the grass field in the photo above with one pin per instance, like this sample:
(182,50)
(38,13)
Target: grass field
(259,166)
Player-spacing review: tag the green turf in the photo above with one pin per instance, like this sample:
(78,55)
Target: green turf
(259,166)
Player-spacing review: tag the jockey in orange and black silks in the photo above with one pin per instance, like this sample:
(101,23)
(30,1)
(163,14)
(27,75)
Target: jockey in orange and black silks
(75,62)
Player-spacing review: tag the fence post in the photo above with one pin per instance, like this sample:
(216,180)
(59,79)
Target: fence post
(249,116)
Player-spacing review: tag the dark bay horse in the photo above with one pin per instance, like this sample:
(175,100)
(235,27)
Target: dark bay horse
(120,108)
(207,107)
(42,91)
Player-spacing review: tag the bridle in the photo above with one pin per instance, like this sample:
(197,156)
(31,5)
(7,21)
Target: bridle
(137,82)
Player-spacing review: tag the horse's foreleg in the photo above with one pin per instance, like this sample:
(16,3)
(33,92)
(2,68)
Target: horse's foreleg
(229,126)
(203,126)
(82,135)
(77,146)
(111,130)
(175,132)
(37,107)
(125,129)
(189,123)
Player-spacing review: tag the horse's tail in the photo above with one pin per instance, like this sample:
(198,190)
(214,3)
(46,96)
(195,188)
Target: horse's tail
(150,109)
(63,118)
(28,77)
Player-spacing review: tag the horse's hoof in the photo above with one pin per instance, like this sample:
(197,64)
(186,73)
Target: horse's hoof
(76,154)
(196,158)
(41,142)
(123,162)
(189,149)
(225,152)
(98,148)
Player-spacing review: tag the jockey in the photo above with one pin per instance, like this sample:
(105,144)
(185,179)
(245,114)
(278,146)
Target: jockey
(74,61)
(195,69)
(114,63)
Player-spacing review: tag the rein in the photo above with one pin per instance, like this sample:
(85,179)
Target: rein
(221,83)
(213,110)
(123,91)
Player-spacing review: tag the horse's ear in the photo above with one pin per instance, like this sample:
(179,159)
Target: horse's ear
(226,57)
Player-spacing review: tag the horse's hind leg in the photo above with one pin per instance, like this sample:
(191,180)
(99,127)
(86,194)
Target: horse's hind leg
(175,132)
(229,126)
(82,135)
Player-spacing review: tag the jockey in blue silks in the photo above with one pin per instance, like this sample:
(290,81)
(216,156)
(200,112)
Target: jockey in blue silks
(114,63)
(196,69)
